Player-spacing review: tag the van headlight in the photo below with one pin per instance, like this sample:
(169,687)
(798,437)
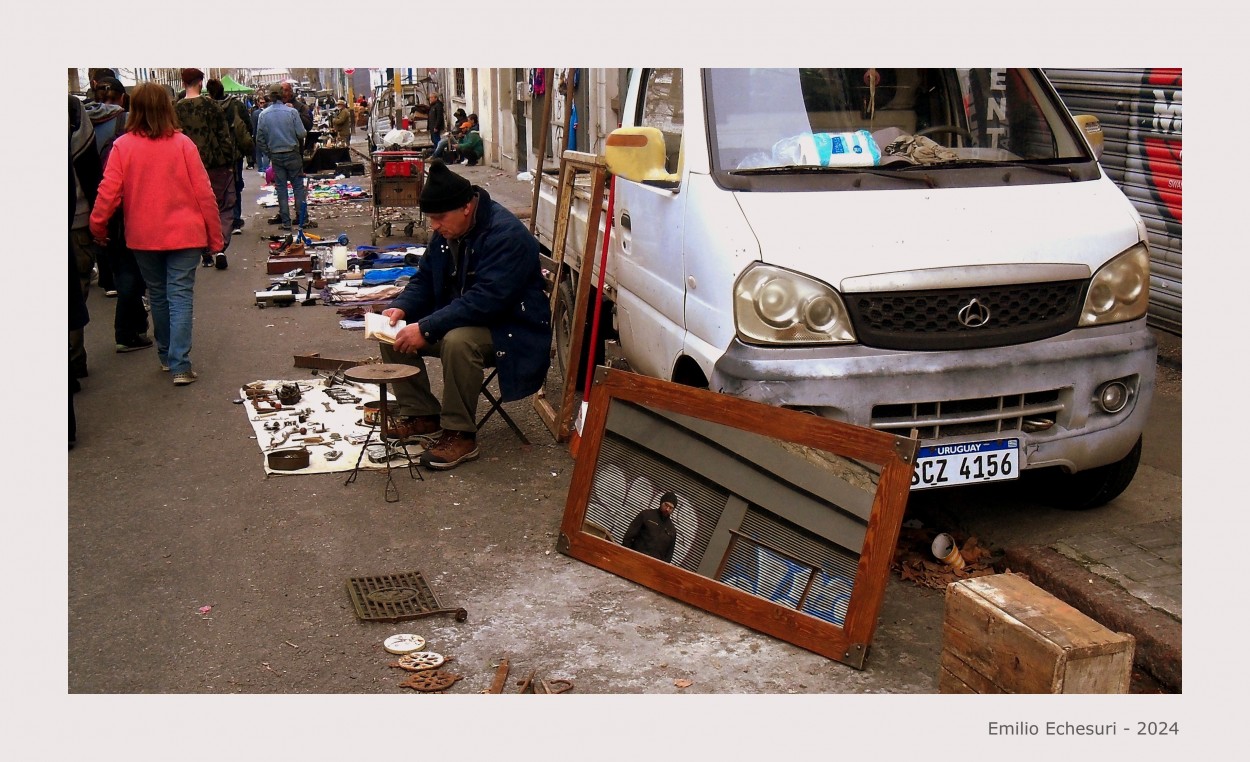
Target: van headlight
(1120,290)
(776,306)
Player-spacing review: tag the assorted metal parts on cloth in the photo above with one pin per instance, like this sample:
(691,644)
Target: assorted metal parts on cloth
(280,422)
(289,394)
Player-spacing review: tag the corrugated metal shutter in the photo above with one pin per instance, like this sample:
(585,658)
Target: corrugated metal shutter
(629,480)
(791,579)
(1140,111)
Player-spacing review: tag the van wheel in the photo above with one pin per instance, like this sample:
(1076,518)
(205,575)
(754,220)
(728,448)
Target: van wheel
(1093,488)
(566,303)
(564,325)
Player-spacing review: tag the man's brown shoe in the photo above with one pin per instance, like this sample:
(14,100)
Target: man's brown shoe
(451,449)
(409,428)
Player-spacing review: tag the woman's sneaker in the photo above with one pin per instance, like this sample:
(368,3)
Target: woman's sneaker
(185,377)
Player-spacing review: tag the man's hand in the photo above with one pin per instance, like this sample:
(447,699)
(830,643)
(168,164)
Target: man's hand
(394,313)
(410,340)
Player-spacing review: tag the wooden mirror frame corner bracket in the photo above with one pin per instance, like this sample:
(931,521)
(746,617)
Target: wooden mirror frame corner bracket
(895,456)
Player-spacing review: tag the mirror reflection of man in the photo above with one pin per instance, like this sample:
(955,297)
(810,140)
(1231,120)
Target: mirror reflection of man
(652,531)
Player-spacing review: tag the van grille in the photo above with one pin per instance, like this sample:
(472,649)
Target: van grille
(929,320)
(1034,411)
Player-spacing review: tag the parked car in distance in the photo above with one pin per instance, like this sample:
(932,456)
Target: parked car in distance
(386,113)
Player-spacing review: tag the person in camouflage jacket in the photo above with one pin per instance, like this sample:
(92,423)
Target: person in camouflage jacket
(206,124)
(241,130)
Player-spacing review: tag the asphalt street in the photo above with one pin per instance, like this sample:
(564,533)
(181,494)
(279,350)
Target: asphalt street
(170,511)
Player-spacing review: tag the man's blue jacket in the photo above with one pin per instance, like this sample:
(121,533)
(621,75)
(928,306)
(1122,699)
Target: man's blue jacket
(500,287)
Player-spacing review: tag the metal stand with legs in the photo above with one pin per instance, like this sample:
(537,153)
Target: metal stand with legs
(383,374)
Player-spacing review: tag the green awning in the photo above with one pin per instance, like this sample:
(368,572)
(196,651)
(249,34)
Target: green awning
(230,86)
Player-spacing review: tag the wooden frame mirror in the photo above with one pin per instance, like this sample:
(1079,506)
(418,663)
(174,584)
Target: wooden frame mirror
(783,522)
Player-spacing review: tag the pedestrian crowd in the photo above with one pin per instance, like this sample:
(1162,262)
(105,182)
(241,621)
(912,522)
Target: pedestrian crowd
(155,186)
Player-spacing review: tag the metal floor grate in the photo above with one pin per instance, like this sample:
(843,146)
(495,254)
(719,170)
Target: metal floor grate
(396,598)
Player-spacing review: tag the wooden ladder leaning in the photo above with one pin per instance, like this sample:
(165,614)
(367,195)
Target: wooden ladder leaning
(572,163)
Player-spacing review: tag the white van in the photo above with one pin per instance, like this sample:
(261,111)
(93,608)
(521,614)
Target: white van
(930,252)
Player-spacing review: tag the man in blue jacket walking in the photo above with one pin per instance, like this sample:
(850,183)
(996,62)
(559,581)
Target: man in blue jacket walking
(476,301)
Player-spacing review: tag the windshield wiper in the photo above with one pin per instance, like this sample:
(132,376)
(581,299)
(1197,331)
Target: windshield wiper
(804,169)
(1050,169)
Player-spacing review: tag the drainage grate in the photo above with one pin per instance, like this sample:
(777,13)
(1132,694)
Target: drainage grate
(396,598)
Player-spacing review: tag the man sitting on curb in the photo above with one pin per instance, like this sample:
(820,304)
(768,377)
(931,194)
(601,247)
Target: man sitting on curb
(476,300)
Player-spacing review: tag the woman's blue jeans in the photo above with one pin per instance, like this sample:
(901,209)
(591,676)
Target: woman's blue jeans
(170,278)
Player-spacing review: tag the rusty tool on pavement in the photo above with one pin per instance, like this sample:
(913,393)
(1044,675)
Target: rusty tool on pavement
(552,687)
(542,686)
(430,680)
(501,678)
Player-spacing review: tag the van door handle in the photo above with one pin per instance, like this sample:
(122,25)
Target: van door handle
(625,220)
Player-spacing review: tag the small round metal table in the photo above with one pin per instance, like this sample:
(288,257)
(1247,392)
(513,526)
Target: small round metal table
(383,374)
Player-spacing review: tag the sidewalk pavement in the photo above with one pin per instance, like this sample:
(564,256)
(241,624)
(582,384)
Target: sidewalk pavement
(1127,578)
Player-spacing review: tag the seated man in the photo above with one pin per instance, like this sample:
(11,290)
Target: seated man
(470,145)
(451,142)
(476,300)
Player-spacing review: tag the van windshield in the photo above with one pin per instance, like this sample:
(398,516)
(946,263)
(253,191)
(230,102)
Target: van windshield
(769,120)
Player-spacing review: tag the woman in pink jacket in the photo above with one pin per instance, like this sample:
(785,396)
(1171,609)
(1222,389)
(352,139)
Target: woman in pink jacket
(155,173)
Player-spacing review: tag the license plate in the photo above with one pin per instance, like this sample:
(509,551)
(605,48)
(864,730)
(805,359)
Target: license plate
(947,465)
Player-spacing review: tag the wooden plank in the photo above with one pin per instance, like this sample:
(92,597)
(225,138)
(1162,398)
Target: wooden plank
(547,413)
(582,303)
(543,133)
(560,421)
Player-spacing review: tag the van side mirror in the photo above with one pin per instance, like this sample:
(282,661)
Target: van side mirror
(1092,129)
(637,154)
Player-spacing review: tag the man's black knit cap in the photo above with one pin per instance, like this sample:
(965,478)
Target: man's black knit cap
(444,190)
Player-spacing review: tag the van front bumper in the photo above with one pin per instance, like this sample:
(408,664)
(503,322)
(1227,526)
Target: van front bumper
(857,385)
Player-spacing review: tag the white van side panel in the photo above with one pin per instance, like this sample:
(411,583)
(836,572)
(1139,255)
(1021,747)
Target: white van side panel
(647,258)
(719,246)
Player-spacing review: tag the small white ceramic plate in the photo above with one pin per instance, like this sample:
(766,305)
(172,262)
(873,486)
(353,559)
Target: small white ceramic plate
(403,644)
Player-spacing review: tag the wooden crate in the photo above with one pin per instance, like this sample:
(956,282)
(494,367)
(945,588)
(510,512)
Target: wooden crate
(1003,634)
(397,191)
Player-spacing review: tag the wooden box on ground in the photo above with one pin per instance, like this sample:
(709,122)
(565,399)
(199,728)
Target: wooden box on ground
(280,265)
(1003,634)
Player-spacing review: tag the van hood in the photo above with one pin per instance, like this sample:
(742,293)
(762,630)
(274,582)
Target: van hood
(846,234)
